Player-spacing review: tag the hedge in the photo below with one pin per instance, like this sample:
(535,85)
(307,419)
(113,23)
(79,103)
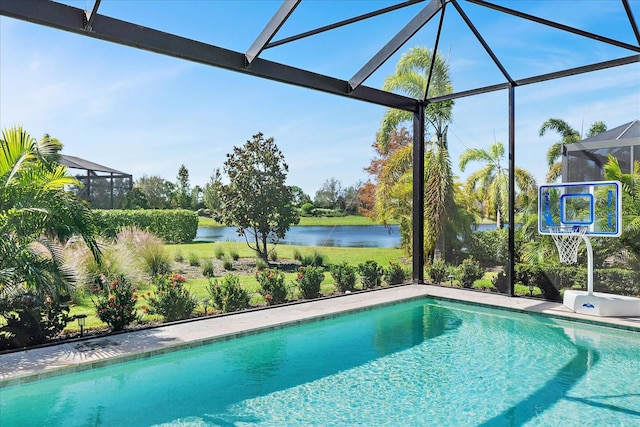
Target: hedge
(552,278)
(173,226)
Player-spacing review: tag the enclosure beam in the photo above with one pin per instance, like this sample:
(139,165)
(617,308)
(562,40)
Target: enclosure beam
(276,22)
(417,249)
(68,18)
(341,23)
(396,43)
(511,273)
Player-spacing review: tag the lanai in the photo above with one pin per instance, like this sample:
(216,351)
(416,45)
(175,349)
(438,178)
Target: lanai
(93,24)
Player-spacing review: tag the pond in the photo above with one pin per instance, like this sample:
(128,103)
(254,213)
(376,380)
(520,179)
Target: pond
(350,236)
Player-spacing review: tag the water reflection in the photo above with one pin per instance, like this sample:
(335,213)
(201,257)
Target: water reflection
(351,236)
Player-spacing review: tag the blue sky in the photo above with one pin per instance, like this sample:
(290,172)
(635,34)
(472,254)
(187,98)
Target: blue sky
(144,113)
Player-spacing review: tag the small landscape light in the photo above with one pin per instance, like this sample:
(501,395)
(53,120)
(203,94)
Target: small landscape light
(81,321)
(205,302)
(451,276)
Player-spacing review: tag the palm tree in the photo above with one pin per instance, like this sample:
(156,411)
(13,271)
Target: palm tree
(630,201)
(491,182)
(410,78)
(569,136)
(35,215)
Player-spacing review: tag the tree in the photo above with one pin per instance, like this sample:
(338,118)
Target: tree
(36,213)
(210,196)
(183,189)
(410,77)
(328,194)
(491,183)
(157,190)
(569,136)
(299,196)
(630,201)
(135,199)
(256,200)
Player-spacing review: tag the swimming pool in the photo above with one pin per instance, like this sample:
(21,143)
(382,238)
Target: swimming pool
(426,362)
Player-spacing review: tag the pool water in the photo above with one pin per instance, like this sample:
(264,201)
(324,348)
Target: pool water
(422,363)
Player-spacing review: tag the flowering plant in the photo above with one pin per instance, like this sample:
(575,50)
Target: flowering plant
(227,295)
(171,299)
(309,280)
(115,303)
(371,274)
(272,286)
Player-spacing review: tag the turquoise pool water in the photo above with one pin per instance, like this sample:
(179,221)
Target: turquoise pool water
(423,363)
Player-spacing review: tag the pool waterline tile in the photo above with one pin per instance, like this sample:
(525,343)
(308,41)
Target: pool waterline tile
(35,364)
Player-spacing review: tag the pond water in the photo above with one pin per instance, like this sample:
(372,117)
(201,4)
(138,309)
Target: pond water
(350,236)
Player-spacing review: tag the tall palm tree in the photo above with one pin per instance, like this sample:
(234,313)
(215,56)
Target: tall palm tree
(410,78)
(491,182)
(569,136)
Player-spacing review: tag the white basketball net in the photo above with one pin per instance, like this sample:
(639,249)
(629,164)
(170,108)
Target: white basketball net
(568,240)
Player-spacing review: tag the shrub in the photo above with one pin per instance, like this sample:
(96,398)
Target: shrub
(261,264)
(194,261)
(316,259)
(219,252)
(437,270)
(307,209)
(273,255)
(227,294)
(207,268)
(148,248)
(370,274)
(178,257)
(171,300)
(227,264)
(234,254)
(501,282)
(176,226)
(469,271)
(534,275)
(309,280)
(297,255)
(490,246)
(344,276)
(272,286)
(115,303)
(395,273)
(32,320)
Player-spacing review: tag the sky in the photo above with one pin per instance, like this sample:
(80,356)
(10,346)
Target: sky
(147,114)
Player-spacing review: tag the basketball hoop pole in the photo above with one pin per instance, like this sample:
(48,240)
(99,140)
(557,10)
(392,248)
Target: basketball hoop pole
(589,264)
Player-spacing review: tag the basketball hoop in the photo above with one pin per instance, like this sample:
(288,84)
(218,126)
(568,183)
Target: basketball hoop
(567,239)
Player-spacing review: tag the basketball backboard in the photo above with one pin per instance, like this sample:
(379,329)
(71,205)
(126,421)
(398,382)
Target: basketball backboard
(596,206)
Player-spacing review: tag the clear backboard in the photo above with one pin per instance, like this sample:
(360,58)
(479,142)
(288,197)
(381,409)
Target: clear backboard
(595,207)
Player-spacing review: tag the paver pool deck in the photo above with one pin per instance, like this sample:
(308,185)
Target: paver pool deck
(74,356)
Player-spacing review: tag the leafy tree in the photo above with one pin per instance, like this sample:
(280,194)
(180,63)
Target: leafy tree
(256,201)
(569,136)
(328,194)
(491,183)
(299,196)
(210,196)
(349,199)
(410,77)
(183,189)
(135,199)
(157,190)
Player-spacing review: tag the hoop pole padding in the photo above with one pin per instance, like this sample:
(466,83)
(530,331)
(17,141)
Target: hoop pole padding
(589,264)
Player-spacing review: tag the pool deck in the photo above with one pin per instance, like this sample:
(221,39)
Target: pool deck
(82,354)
